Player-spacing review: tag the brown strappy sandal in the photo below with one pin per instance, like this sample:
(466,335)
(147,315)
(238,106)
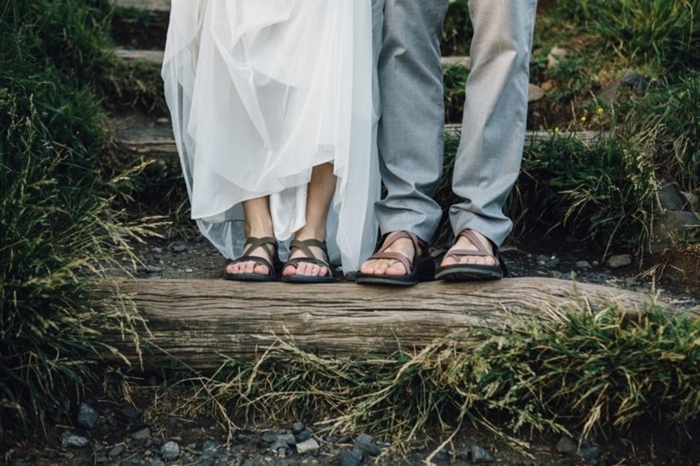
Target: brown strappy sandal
(273,267)
(308,257)
(422,268)
(472,272)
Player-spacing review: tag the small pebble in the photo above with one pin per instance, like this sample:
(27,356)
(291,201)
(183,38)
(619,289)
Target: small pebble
(307,446)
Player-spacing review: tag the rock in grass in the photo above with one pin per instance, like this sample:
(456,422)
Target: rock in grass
(287,439)
(87,416)
(463,453)
(69,439)
(141,434)
(566,445)
(298,428)
(352,457)
(307,446)
(116,450)
(479,455)
(170,451)
(303,436)
(365,444)
(619,260)
(589,454)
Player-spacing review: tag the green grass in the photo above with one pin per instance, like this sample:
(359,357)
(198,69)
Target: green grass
(661,34)
(577,370)
(60,230)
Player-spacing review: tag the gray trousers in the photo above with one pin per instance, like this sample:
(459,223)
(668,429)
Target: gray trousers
(411,127)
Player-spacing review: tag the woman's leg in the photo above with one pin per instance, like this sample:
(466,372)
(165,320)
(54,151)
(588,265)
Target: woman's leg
(318,201)
(258,224)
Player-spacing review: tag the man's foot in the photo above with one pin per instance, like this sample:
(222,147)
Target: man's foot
(308,263)
(258,262)
(403,246)
(463,243)
(473,257)
(402,260)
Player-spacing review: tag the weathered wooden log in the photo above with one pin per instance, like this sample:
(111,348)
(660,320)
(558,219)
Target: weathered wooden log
(200,322)
(157,141)
(150,57)
(161,6)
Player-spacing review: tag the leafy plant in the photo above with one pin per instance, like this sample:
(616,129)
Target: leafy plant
(59,231)
(664,33)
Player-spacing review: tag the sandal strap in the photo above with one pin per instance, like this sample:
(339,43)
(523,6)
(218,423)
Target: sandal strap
(252,244)
(394,236)
(476,242)
(305,247)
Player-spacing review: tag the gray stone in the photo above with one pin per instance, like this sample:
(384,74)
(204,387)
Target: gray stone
(619,260)
(635,80)
(583,265)
(589,454)
(463,453)
(69,439)
(209,447)
(609,94)
(307,446)
(670,197)
(566,445)
(535,94)
(442,456)
(671,225)
(141,434)
(279,445)
(179,248)
(352,457)
(693,201)
(129,412)
(304,435)
(365,444)
(170,451)
(298,428)
(270,437)
(555,56)
(157,462)
(87,416)
(287,438)
(481,456)
(116,450)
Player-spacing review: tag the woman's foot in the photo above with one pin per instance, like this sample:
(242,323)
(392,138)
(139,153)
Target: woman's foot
(308,262)
(258,262)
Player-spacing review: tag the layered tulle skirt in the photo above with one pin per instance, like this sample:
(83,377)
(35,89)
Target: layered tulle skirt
(260,92)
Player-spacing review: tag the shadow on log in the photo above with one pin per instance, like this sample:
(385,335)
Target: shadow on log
(199,322)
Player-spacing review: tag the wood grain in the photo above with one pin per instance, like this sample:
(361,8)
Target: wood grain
(198,321)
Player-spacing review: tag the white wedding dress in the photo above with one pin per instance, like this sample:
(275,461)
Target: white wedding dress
(261,91)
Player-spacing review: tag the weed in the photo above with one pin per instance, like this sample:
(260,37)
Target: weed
(565,368)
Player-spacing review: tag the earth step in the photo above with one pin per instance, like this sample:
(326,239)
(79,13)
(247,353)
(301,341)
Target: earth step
(157,6)
(144,137)
(153,5)
(150,139)
(535,137)
(150,57)
(198,321)
(155,57)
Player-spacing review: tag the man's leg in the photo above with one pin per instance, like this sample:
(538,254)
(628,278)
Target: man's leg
(411,127)
(495,114)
